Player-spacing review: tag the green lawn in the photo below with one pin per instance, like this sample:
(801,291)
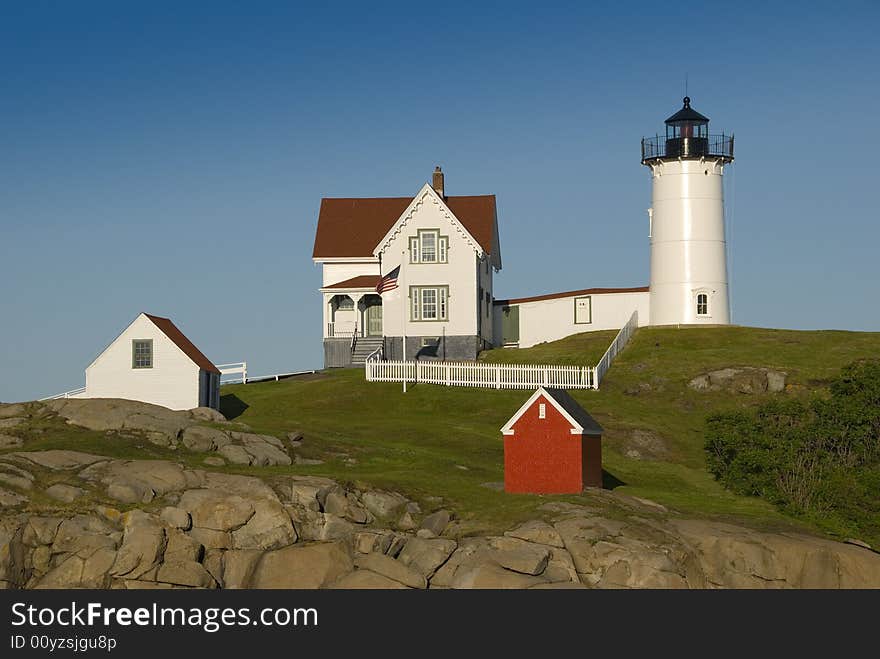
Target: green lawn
(445,442)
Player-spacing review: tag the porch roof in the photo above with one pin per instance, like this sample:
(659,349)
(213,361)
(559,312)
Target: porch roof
(361,282)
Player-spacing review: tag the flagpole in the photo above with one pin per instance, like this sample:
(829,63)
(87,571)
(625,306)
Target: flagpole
(406,302)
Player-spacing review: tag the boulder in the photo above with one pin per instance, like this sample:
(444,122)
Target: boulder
(214,461)
(143,544)
(207,414)
(181,547)
(742,380)
(519,555)
(202,439)
(211,539)
(384,505)
(303,490)
(12,422)
(137,481)
(235,454)
(493,576)
(264,450)
(367,580)
(64,493)
(392,569)
(305,566)
(40,530)
(82,570)
(15,476)
(118,414)
(239,566)
(437,522)
(425,556)
(215,509)
(269,528)
(57,460)
(185,573)
(13,551)
(176,518)
(537,531)
(83,532)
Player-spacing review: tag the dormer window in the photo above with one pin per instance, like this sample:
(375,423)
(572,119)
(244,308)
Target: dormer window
(428,247)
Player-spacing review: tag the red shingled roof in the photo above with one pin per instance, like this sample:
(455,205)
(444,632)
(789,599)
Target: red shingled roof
(354,227)
(585,291)
(361,281)
(170,330)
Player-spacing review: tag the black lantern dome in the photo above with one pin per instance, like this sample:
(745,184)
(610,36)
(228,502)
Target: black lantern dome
(687,137)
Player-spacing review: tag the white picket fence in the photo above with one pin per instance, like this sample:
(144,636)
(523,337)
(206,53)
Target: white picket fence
(616,346)
(474,374)
(499,376)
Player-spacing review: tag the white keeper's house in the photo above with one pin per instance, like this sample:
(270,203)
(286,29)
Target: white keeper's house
(152,361)
(447,249)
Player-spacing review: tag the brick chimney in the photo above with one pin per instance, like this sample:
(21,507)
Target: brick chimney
(437,182)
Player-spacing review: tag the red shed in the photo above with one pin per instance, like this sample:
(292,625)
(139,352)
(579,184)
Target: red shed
(552,446)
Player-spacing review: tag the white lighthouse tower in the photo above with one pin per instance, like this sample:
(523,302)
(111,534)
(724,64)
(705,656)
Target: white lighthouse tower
(686,221)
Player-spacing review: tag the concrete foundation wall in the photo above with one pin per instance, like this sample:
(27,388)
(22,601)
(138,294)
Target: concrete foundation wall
(448,348)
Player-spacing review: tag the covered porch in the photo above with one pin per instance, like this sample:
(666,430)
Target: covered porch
(353,325)
(353,308)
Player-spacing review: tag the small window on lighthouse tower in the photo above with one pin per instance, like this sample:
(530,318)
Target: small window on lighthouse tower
(702,304)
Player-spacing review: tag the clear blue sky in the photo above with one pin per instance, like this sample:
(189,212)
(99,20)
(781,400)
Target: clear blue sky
(171,157)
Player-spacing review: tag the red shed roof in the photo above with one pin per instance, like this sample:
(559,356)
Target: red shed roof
(179,339)
(580,420)
(354,227)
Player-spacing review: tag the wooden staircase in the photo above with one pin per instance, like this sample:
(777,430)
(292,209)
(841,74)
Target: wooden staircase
(363,347)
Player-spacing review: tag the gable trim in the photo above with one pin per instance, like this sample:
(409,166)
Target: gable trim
(507,428)
(427,193)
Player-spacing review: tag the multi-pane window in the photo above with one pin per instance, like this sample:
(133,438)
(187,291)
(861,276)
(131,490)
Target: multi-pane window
(429,302)
(702,304)
(428,247)
(142,353)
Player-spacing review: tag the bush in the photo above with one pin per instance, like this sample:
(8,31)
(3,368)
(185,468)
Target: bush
(818,458)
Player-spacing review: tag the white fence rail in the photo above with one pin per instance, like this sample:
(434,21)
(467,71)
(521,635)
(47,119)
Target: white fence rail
(237,369)
(73,393)
(474,374)
(499,376)
(616,346)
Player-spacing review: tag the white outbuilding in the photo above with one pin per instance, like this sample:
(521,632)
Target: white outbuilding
(152,361)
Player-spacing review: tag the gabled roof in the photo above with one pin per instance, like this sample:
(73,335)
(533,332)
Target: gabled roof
(177,337)
(580,420)
(361,281)
(584,291)
(354,227)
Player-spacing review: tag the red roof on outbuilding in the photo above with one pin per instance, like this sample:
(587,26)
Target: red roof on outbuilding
(179,339)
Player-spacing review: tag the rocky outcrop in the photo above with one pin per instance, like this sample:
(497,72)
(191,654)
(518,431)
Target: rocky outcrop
(741,380)
(192,528)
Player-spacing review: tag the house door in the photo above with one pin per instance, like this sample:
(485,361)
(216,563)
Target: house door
(509,325)
(374,320)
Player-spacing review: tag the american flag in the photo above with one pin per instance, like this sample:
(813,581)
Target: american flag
(388,282)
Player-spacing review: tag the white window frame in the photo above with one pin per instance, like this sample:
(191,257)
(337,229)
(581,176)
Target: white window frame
(440,304)
(708,311)
(417,252)
(542,410)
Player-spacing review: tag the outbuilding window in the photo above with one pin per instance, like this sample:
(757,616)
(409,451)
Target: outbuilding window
(702,304)
(542,410)
(142,353)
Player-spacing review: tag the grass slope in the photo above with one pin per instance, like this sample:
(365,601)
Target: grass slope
(445,442)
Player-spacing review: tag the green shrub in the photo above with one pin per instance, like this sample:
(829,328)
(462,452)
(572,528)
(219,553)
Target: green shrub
(819,458)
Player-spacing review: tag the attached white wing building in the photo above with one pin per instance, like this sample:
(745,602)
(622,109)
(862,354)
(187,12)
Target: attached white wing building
(152,361)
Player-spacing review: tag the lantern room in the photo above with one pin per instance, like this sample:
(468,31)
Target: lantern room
(687,136)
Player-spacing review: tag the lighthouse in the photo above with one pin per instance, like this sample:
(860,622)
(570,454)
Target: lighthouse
(686,221)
